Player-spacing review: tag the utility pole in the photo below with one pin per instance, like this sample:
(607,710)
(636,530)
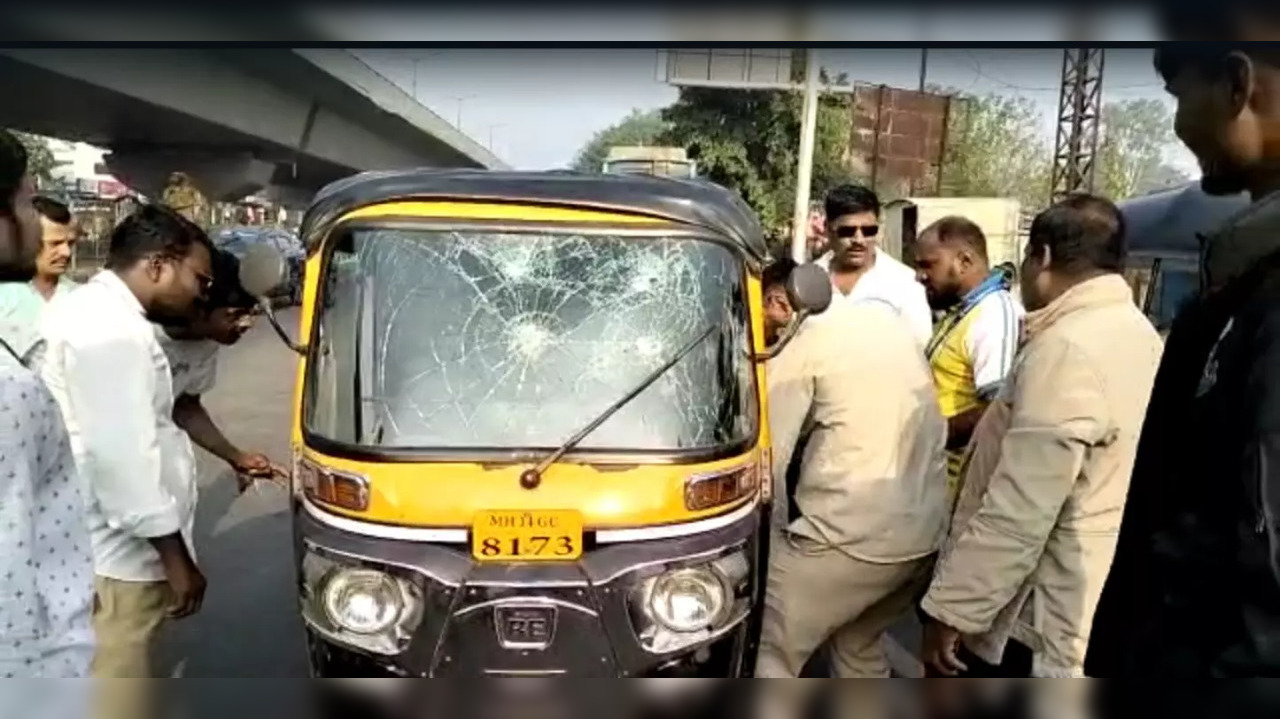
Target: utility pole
(460,100)
(924,66)
(678,71)
(804,171)
(1079,116)
(491,129)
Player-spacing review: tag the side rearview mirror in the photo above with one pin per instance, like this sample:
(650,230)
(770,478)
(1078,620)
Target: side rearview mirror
(262,271)
(809,289)
(809,292)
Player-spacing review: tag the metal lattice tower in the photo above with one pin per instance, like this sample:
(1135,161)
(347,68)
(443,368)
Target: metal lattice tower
(1079,117)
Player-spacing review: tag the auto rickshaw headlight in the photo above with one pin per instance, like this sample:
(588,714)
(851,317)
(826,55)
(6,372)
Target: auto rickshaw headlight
(363,601)
(689,603)
(688,600)
(350,601)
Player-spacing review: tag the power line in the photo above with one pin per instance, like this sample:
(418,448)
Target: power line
(976,66)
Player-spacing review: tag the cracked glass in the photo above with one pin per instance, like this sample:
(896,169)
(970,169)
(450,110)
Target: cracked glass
(511,340)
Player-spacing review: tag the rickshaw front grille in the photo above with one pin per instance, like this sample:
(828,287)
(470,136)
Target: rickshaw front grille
(490,631)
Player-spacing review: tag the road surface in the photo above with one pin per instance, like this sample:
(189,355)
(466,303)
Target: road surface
(249,625)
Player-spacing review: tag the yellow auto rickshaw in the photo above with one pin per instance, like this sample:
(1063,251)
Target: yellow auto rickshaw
(530,435)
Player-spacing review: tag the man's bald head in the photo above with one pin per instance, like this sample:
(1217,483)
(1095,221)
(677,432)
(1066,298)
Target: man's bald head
(958,232)
(951,259)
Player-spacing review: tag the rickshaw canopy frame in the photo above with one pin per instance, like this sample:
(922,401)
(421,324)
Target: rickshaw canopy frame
(697,203)
(1176,221)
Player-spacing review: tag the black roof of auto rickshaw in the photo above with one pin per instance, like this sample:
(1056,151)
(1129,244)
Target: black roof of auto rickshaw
(692,202)
(1170,221)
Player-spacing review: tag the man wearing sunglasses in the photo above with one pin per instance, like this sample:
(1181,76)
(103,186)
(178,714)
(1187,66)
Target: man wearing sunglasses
(112,381)
(859,271)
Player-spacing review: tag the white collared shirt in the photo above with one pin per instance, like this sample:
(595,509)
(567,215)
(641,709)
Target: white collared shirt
(111,378)
(194,363)
(46,568)
(893,283)
(21,302)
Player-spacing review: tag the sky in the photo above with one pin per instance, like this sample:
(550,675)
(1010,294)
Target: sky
(537,107)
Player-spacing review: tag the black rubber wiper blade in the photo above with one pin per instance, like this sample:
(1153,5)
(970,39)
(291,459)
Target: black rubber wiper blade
(532,477)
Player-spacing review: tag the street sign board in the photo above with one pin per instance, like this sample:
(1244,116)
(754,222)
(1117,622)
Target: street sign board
(745,68)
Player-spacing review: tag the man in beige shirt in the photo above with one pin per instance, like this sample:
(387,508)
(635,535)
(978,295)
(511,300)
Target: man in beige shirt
(871,492)
(1035,526)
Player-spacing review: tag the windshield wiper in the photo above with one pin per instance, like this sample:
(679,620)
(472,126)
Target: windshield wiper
(532,477)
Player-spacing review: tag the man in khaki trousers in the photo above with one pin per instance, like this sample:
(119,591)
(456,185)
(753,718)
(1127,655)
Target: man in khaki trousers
(113,384)
(871,495)
(1036,523)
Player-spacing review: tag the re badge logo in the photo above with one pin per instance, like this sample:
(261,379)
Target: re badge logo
(1209,377)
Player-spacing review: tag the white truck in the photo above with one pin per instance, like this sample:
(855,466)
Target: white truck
(999,217)
(642,160)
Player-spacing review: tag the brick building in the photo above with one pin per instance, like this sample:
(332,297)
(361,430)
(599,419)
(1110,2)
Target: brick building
(898,139)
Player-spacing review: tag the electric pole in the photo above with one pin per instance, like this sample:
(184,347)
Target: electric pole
(804,170)
(491,129)
(461,99)
(1079,117)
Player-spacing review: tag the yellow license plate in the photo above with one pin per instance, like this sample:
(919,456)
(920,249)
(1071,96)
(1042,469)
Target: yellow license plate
(527,536)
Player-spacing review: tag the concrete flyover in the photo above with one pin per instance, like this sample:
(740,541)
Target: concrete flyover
(238,120)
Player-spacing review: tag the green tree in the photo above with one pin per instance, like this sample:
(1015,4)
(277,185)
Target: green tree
(40,160)
(1135,135)
(995,148)
(1165,177)
(748,141)
(638,128)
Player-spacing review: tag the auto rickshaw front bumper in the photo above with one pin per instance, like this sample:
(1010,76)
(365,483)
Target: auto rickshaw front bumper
(587,618)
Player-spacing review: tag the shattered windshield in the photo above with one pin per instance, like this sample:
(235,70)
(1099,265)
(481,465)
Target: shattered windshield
(484,340)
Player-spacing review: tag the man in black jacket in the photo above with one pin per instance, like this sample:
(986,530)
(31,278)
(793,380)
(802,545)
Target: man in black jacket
(1194,590)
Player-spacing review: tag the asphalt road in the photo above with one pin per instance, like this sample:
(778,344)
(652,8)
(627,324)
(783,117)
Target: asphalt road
(249,625)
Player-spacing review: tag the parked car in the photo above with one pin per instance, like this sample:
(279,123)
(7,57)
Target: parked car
(237,240)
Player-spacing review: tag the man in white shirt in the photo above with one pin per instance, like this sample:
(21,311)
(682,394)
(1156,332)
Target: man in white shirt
(22,302)
(193,360)
(860,271)
(112,380)
(46,565)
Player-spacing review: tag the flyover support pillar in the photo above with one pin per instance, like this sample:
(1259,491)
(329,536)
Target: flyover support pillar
(219,177)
